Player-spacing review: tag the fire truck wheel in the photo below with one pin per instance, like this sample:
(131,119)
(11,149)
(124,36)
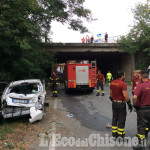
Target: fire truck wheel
(66,89)
(90,90)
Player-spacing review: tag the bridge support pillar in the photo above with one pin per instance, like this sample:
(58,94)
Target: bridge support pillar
(128,65)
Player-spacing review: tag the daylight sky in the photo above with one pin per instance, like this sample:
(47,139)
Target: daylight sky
(113,16)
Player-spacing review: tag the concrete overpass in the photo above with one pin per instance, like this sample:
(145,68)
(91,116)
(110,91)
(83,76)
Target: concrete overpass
(107,55)
(82,47)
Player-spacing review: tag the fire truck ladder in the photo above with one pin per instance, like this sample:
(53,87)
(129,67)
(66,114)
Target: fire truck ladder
(93,70)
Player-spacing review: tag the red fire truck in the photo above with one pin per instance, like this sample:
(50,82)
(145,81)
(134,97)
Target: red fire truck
(80,75)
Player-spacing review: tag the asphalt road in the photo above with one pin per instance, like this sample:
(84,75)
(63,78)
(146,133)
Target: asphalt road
(83,116)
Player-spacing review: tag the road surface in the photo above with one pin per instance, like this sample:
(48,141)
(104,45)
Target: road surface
(82,116)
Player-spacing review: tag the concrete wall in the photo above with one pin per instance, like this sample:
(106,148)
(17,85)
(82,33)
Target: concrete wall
(128,65)
(82,47)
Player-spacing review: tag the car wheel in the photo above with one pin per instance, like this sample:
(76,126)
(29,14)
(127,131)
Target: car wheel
(91,90)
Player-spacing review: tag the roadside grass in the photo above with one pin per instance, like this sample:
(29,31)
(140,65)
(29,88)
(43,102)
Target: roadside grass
(19,134)
(128,82)
(6,128)
(9,125)
(9,130)
(9,145)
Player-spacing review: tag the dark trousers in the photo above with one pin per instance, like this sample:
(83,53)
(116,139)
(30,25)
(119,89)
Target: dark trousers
(54,89)
(143,120)
(100,85)
(118,118)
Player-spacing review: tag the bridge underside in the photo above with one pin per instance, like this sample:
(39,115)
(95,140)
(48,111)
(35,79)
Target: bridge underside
(113,61)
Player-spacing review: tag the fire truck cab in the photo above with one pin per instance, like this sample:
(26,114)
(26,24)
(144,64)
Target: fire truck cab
(80,75)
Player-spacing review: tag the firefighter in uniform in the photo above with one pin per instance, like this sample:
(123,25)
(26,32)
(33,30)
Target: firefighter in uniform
(54,82)
(141,101)
(119,98)
(136,80)
(109,77)
(100,82)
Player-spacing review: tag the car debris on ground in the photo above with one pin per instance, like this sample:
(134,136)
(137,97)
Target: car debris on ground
(70,115)
(108,125)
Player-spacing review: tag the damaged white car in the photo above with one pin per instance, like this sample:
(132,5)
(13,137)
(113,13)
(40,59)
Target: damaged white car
(24,97)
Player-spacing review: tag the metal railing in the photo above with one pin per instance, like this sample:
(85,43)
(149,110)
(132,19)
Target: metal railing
(112,39)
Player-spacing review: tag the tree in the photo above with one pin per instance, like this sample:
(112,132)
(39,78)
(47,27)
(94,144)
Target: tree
(138,39)
(23,24)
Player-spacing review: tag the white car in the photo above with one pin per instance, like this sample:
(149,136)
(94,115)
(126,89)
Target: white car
(24,97)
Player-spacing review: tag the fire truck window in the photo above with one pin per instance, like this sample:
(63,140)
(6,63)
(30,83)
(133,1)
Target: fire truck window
(93,65)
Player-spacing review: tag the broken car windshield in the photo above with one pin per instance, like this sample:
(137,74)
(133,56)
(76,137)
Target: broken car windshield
(25,89)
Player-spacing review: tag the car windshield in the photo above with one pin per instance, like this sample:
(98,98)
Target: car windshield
(25,89)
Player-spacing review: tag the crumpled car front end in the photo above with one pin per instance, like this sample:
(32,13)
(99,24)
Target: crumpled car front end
(22,97)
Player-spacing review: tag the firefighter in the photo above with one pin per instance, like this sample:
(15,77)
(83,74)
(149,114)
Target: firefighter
(119,98)
(54,82)
(100,82)
(109,77)
(136,80)
(141,101)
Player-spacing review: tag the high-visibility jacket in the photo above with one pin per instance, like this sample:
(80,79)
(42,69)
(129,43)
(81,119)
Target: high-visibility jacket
(109,75)
(54,79)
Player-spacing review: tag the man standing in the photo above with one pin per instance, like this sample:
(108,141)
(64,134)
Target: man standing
(136,80)
(100,82)
(87,39)
(109,77)
(83,40)
(106,37)
(141,101)
(54,82)
(118,96)
(92,39)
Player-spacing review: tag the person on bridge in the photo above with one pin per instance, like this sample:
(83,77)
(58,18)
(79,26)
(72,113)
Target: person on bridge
(141,102)
(100,82)
(87,39)
(118,96)
(83,40)
(106,37)
(109,77)
(92,39)
(54,82)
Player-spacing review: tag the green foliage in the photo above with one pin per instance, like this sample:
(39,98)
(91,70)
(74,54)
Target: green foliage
(128,82)
(138,39)
(141,66)
(23,25)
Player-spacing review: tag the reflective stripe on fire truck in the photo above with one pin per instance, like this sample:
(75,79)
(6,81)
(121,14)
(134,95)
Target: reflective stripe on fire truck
(90,83)
(74,83)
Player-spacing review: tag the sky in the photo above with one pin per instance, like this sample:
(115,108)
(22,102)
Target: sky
(113,16)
